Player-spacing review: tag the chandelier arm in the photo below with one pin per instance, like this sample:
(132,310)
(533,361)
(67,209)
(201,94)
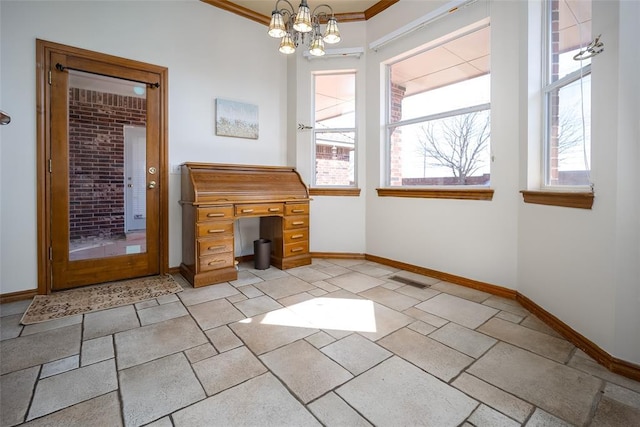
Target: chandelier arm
(323,13)
(291,12)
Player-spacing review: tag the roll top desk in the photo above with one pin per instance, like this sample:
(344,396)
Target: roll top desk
(214,196)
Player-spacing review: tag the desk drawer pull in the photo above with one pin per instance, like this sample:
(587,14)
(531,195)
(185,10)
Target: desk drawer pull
(297,210)
(215,231)
(297,249)
(297,236)
(216,261)
(247,210)
(274,209)
(298,223)
(215,248)
(215,215)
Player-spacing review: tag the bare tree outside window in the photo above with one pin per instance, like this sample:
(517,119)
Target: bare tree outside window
(456,143)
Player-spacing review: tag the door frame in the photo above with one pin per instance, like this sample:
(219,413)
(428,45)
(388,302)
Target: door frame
(44,49)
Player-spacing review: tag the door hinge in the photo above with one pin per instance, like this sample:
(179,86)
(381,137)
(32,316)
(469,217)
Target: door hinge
(49,77)
(50,166)
(50,253)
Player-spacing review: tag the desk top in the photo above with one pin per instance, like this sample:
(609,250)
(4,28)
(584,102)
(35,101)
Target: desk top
(217,184)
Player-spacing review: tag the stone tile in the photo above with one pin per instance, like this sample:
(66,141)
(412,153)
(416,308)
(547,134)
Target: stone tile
(146,304)
(485,416)
(283,287)
(426,317)
(391,299)
(15,390)
(108,322)
(372,270)
(493,397)
(347,262)
(166,299)
(331,410)
(96,350)
(435,358)
(158,388)
(558,389)
(59,366)
(541,418)
(216,313)
(461,291)
(505,315)
(420,278)
(295,299)
(532,322)
(260,401)
(622,395)
(259,305)
(308,274)
(538,342)
(250,291)
(200,352)
(355,282)
(100,411)
(24,352)
(464,340)
(162,422)
(227,370)
(611,413)
(245,278)
(586,364)
(270,273)
(386,321)
(417,293)
(223,338)
(157,340)
(397,383)
(332,270)
(342,314)
(391,285)
(305,370)
(459,310)
(356,354)
(14,308)
(10,326)
(505,304)
(66,389)
(272,330)
(51,324)
(320,339)
(421,327)
(236,298)
(161,313)
(326,286)
(317,292)
(206,293)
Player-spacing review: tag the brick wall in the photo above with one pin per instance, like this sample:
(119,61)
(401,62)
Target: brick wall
(333,166)
(395,149)
(96,160)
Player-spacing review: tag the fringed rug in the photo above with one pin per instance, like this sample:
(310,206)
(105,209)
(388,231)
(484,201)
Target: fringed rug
(98,297)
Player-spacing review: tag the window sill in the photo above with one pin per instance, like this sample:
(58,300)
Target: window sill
(348,192)
(580,200)
(438,193)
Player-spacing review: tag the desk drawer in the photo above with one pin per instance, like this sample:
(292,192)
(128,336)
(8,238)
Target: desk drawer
(214,262)
(295,236)
(214,212)
(215,246)
(260,209)
(296,209)
(215,228)
(294,249)
(293,222)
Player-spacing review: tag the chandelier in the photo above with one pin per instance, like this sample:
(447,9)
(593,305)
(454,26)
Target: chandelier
(303,27)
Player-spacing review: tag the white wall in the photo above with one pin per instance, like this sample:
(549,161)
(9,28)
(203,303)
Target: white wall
(209,53)
(473,239)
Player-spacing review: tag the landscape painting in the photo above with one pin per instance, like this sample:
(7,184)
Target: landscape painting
(236,119)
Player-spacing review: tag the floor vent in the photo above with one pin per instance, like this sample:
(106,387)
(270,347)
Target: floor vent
(409,282)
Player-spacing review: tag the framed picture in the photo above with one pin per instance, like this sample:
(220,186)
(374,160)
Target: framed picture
(236,119)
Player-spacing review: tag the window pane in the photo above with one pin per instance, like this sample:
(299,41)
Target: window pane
(335,101)
(335,158)
(570,31)
(450,151)
(569,151)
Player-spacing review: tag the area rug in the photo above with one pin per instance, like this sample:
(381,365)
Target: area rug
(98,297)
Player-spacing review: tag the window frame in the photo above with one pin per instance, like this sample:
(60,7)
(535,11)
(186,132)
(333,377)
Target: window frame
(338,190)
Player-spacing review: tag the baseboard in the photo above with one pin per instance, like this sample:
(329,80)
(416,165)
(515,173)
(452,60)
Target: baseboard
(451,278)
(337,255)
(613,364)
(18,296)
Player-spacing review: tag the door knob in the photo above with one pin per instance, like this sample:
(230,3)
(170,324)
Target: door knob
(152,184)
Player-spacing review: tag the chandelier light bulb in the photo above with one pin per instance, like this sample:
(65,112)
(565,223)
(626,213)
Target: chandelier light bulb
(286,44)
(332,33)
(276,27)
(303,18)
(317,47)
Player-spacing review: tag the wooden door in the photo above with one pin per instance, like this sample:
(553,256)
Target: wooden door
(91,103)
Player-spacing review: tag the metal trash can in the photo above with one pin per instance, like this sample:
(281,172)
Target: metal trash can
(261,254)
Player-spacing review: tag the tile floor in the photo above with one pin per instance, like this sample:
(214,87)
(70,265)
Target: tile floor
(337,343)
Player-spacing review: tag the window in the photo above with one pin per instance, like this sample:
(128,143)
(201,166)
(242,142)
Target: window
(335,129)
(438,115)
(567,94)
